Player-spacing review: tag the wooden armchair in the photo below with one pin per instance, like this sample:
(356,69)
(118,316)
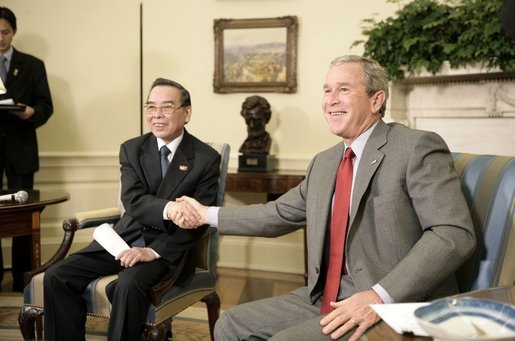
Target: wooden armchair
(166,299)
(488,183)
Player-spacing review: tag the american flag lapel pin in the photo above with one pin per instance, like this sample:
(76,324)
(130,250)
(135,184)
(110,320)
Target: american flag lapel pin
(183,168)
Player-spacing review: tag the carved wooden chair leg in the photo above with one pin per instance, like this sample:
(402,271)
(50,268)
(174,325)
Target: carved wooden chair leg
(212,302)
(39,327)
(26,320)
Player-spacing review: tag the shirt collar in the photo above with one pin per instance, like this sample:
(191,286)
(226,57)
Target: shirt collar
(359,143)
(172,145)
(9,55)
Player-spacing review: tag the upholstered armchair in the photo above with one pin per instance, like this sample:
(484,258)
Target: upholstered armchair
(488,182)
(166,299)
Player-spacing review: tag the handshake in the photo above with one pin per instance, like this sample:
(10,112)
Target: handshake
(187,213)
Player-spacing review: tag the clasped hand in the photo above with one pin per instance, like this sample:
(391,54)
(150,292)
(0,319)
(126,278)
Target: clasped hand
(187,213)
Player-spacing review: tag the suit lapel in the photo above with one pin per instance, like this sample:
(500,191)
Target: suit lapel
(150,163)
(370,161)
(323,201)
(15,68)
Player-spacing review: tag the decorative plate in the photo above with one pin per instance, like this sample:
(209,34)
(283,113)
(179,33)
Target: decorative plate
(467,318)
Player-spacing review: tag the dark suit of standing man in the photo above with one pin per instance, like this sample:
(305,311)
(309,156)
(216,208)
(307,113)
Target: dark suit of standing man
(157,243)
(26,84)
(409,227)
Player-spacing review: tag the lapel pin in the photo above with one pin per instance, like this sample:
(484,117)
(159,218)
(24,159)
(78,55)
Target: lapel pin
(15,73)
(374,161)
(183,168)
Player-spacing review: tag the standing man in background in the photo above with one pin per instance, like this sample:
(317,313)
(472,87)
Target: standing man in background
(385,219)
(25,80)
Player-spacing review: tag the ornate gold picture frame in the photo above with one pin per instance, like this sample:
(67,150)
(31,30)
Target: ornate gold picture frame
(256,55)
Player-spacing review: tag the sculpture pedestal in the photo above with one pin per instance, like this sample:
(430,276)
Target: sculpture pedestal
(256,163)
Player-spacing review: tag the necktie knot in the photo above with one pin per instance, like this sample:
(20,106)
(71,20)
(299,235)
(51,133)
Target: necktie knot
(164,151)
(349,153)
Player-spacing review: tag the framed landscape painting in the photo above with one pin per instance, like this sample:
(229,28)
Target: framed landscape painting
(256,55)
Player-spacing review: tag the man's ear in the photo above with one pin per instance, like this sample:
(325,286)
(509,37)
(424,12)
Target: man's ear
(377,101)
(188,114)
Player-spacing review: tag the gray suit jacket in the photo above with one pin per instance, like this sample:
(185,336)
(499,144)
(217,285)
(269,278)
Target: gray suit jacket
(409,228)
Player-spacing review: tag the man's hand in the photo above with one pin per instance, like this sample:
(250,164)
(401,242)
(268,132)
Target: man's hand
(353,312)
(134,255)
(183,215)
(26,114)
(192,211)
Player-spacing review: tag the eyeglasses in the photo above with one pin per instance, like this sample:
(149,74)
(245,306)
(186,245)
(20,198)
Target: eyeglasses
(167,109)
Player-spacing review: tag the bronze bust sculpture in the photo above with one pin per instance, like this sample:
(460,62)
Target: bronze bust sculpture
(257,112)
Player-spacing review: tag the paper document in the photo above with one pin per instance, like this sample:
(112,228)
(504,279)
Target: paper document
(400,317)
(109,239)
(8,101)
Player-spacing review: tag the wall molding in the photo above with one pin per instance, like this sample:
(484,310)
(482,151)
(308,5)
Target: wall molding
(92,181)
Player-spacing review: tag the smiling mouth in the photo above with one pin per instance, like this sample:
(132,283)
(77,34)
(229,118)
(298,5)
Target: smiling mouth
(337,113)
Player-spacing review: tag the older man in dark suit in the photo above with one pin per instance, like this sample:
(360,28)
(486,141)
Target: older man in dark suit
(25,80)
(405,233)
(149,188)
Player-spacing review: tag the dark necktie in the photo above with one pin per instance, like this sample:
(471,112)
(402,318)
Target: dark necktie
(164,151)
(3,68)
(338,230)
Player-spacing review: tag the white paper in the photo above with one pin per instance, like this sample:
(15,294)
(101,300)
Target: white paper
(400,317)
(109,239)
(3,90)
(7,100)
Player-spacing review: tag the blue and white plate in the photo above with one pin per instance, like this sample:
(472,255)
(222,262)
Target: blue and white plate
(467,318)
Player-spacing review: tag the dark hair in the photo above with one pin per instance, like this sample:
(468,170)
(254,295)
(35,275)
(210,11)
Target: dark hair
(185,95)
(253,101)
(8,15)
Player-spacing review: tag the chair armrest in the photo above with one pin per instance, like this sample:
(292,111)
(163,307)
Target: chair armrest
(94,218)
(69,228)
(156,293)
(79,221)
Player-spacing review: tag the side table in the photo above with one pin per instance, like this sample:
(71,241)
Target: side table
(274,184)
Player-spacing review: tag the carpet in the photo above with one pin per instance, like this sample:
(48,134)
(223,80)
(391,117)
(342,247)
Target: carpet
(189,325)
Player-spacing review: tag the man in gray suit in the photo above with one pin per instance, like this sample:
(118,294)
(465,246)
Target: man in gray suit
(409,227)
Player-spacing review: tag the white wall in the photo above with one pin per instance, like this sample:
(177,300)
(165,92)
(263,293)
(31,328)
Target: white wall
(91,51)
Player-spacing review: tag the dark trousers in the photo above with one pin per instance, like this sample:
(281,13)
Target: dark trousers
(21,247)
(65,309)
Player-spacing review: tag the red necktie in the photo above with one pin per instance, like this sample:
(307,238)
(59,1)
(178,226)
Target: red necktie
(339,219)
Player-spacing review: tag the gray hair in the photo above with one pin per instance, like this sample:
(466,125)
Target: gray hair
(374,75)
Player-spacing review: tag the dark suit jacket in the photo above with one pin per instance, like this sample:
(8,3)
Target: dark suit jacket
(26,83)
(194,172)
(409,226)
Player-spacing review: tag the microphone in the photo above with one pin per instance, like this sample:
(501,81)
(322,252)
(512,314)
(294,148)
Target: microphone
(20,197)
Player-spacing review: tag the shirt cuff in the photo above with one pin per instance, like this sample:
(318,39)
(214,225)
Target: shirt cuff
(212,216)
(155,254)
(165,215)
(385,296)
